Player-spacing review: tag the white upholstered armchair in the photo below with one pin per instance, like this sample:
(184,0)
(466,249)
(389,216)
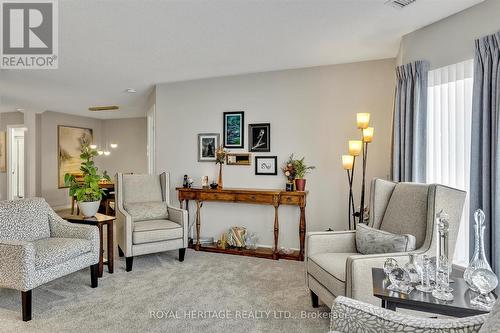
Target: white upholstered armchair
(37,246)
(335,268)
(146,223)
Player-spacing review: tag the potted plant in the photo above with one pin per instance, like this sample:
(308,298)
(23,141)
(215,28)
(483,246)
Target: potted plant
(289,172)
(87,192)
(301,169)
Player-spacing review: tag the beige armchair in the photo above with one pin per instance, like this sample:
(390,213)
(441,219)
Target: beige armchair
(335,268)
(146,223)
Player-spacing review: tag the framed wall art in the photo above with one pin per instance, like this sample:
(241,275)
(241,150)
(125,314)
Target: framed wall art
(259,137)
(234,130)
(69,143)
(207,145)
(238,159)
(266,165)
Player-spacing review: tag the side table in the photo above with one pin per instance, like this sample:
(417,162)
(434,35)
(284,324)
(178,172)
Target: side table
(99,220)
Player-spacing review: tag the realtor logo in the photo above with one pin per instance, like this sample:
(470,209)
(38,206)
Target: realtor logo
(29,34)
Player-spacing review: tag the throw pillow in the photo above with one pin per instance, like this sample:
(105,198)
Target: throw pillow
(144,211)
(372,241)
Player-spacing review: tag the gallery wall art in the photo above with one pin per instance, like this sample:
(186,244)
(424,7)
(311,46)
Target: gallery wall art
(234,130)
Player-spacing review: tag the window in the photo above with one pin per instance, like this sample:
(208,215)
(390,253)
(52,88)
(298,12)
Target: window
(449,110)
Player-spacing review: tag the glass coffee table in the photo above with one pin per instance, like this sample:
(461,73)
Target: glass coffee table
(425,302)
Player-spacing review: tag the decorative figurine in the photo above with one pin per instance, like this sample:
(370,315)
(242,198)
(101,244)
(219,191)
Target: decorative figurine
(204,181)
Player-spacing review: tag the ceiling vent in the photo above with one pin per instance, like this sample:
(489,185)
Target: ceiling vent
(399,3)
(104,108)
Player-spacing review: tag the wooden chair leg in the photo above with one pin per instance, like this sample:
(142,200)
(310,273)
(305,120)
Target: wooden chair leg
(182,254)
(94,272)
(120,252)
(129,261)
(314,300)
(26,305)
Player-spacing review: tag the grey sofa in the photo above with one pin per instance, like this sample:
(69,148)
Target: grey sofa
(335,268)
(37,246)
(146,223)
(349,315)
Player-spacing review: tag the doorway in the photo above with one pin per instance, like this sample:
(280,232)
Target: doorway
(15,162)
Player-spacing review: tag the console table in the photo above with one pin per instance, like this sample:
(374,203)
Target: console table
(250,196)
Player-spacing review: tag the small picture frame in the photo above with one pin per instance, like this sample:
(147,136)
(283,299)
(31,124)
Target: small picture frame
(266,165)
(238,159)
(207,145)
(234,130)
(259,137)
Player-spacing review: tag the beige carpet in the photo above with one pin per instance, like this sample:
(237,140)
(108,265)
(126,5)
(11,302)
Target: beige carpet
(205,293)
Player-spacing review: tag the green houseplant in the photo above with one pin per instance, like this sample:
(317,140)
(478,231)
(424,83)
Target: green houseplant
(87,191)
(301,169)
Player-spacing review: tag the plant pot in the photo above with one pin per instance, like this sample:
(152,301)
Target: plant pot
(89,208)
(300,184)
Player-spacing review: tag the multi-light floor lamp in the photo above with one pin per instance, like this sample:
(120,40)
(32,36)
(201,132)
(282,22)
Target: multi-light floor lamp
(357,147)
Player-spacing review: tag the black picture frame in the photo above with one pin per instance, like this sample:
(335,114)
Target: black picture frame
(259,137)
(259,166)
(233,133)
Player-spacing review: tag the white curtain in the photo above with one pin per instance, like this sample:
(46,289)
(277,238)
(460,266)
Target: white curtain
(449,108)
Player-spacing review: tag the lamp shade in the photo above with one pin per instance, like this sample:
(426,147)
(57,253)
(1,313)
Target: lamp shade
(368,134)
(363,120)
(355,147)
(347,162)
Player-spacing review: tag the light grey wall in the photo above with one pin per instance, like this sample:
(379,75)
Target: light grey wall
(48,163)
(451,40)
(8,118)
(312,113)
(131,154)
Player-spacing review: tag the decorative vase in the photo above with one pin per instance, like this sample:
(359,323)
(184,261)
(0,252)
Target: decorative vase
(485,281)
(300,184)
(219,181)
(289,187)
(479,257)
(89,208)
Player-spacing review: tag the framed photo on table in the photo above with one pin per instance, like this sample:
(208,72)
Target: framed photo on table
(234,130)
(259,137)
(207,145)
(266,165)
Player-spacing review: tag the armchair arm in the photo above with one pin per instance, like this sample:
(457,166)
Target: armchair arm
(179,216)
(124,228)
(17,264)
(59,227)
(349,315)
(330,241)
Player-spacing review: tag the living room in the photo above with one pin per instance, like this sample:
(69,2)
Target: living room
(184,166)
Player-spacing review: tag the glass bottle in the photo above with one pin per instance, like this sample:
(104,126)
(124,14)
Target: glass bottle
(442,289)
(425,280)
(479,257)
(411,268)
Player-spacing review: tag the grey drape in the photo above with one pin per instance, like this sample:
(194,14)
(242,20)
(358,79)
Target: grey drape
(409,127)
(485,146)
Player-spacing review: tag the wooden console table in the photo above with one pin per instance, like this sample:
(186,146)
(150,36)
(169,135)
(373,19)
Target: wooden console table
(251,196)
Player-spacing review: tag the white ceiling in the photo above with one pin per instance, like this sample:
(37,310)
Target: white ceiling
(106,46)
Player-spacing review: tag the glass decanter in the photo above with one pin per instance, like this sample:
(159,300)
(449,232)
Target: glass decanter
(479,257)
(485,281)
(412,269)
